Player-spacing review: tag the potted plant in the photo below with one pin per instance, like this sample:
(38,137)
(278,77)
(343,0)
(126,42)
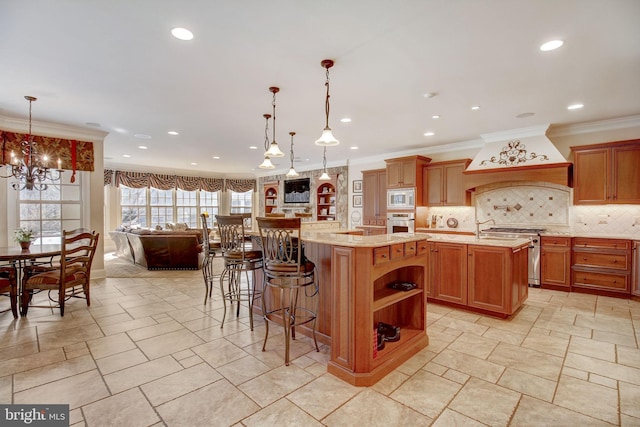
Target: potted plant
(24,236)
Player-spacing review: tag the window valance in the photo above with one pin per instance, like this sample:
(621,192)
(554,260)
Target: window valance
(167,182)
(74,155)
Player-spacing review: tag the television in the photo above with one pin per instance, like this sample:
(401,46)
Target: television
(297,190)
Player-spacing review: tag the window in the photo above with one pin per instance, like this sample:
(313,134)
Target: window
(241,202)
(209,203)
(50,211)
(161,202)
(186,205)
(133,203)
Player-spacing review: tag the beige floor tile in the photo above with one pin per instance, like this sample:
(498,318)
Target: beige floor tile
(180,383)
(629,399)
(587,398)
(220,352)
(323,395)
(6,389)
(522,382)
(75,391)
(461,325)
(373,409)
(219,402)
(281,412)
(547,344)
(128,408)
(470,365)
(604,368)
(127,325)
(147,310)
(244,369)
(186,314)
(607,382)
(532,412)
(628,421)
(485,402)
(168,343)
(527,360)
(504,336)
(53,372)
(416,362)
(109,345)
(119,361)
(593,348)
(412,393)
(456,376)
(65,337)
(473,345)
(435,368)
(32,361)
(606,325)
(19,350)
(629,356)
(154,330)
(613,338)
(451,418)
(112,319)
(279,381)
(108,310)
(390,382)
(141,374)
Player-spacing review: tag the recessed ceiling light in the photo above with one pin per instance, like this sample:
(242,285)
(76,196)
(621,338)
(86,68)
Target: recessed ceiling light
(346,120)
(126,155)
(253,147)
(435,116)
(194,164)
(354,147)
(429,134)
(142,147)
(430,94)
(551,45)
(523,115)
(142,136)
(172,132)
(575,106)
(216,157)
(475,107)
(182,34)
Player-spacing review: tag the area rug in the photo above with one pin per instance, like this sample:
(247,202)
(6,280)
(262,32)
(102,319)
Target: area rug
(118,267)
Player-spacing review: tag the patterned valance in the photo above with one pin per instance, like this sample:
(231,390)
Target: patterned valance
(240,185)
(164,182)
(108,176)
(74,155)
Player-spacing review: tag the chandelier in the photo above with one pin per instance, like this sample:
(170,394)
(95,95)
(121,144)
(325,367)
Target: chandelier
(31,170)
(292,172)
(327,139)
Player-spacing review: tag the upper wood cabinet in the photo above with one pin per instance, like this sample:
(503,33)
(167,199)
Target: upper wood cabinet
(374,197)
(405,172)
(607,173)
(443,184)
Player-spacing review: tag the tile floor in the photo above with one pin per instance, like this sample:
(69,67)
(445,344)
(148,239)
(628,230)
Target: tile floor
(149,353)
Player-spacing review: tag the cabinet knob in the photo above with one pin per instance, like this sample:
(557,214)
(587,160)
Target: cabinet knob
(584,259)
(384,255)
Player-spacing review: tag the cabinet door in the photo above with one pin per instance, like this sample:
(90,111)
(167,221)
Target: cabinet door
(454,191)
(555,261)
(381,206)
(408,173)
(450,281)
(626,174)
(591,169)
(394,174)
(434,185)
(488,284)
(369,197)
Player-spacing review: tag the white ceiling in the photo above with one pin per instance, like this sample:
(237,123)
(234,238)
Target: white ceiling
(115,63)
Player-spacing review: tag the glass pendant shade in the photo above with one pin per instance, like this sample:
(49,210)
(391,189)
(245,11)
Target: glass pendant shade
(292,173)
(266,164)
(327,139)
(325,176)
(274,150)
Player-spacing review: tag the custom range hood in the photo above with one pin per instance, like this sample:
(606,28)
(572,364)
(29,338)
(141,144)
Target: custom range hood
(518,155)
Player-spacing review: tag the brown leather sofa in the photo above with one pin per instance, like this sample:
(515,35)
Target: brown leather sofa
(160,250)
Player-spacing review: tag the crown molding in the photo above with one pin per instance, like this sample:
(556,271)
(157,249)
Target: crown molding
(599,126)
(52,130)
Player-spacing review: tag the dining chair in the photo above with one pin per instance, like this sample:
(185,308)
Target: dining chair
(287,271)
(73,270)
(238,258)
(9,287)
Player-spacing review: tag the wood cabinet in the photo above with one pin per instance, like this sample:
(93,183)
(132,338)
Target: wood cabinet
(372,231)
(403,172)
(326,201)
(490,279)
(270,191)
(443,184)
(607,173)
(374,197)
(601,265)
(361,298)
(635,269)
(555,262)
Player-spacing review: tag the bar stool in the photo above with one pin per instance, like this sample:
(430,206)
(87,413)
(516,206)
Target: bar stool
(287,270)
(238,258)
(210,249)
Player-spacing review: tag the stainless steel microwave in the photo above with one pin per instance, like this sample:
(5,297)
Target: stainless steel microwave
(401,198)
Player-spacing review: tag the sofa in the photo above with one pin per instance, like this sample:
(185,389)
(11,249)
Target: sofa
(160,249)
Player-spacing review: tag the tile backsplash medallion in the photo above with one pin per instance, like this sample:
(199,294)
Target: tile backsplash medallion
(542,205)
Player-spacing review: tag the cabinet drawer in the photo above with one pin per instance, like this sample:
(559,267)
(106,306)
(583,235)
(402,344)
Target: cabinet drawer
(556,241)
(397,250)
(381,255)
(422,247)
(410,249)
(616,261)
(382,222)
(583,242)
(593,279)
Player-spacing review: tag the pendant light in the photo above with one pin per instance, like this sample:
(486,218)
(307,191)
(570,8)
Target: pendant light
(327,139)
(292,172)
(325,176)
(274,150)
(266,164)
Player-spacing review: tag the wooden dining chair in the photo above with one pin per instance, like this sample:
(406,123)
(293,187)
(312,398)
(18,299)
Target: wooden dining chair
(74,271)
(9,286)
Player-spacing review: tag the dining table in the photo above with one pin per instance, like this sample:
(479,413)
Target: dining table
(34,255)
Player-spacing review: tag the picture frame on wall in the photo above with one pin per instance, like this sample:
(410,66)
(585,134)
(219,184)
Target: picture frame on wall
(357,201)
(357,186)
